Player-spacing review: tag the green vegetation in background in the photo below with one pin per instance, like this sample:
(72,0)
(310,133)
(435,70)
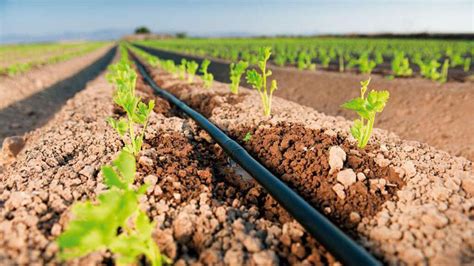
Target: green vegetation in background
(61,52)
(345,53)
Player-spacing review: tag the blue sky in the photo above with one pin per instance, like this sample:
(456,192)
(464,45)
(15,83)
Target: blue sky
(55,18)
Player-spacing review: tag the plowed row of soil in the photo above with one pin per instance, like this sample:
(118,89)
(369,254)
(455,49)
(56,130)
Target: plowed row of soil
(205,211)
(413,204)
(409,204)
(28,101)
(418,109)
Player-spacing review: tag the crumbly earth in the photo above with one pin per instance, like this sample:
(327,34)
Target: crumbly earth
(206,212)
(28,101)
(418,109)
(428,220)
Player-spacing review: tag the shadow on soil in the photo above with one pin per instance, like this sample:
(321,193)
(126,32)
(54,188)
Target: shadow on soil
(34,111)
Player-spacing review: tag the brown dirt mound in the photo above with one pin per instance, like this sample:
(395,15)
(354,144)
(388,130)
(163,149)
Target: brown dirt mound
(429,218)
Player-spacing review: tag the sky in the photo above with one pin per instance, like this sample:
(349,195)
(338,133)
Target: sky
(29,20)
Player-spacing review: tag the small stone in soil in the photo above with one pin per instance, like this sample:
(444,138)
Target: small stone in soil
(337,156)
(13,145)
(346,177)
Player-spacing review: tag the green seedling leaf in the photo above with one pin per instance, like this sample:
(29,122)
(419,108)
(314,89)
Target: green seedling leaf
(236,71)
(248,137)
(259,80)
(366,108)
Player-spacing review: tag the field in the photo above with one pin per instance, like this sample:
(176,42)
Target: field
(275,151)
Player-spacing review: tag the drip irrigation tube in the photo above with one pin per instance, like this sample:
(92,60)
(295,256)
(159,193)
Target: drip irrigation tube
(339,244)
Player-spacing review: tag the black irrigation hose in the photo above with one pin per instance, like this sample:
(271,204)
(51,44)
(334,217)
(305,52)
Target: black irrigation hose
(344,248)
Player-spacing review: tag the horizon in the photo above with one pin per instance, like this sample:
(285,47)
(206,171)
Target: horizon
(54,20)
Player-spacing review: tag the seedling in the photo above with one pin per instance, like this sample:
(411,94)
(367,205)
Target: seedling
(430,70)
(366,108)
(401,65)
(467,64)
(325,58)
(247,137)
(169,66)
(259,81)
(304,61)
(182,69)
(236,71)
(113,223)
(124,78)
(208,78)
(191,68)
(366,65)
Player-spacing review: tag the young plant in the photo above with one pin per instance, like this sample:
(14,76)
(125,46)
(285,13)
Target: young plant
(366,65)
(113,223)
(124,78)
(247,137)
(401,65)
(236,71)
(467,64)
(304,61)
(169,66)
(325,58)
(280,59)
(182,69)
(207,77)
(191,68)
(366,108)
(259,80)
(444,71)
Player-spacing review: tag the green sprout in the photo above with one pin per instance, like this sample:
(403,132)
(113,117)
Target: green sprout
(366,108)
(182,69)
(259,81)
(247,137)
(236,71)
(207,77)
(304,61)
(113,223)
(191,68)
(401,65)
(467,64)
(124,78)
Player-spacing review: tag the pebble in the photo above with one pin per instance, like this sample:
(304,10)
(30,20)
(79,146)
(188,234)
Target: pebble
(411,256)
(87,171)
(339,189)
(409,169)
(360,177)
(183,227)
(252,244)
(13,145)
(145,161)
(337,156)
(354,217)
(468,186)
(346,177)
(265,258)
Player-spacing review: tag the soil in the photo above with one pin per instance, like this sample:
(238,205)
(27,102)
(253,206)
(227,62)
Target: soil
(419,109)
(415,203)
(29,101)
(429,218)
(206,213)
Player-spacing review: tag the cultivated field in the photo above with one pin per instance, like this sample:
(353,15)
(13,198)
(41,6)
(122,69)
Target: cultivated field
(240,152)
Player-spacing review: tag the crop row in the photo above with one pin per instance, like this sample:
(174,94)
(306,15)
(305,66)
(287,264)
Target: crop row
(115,221)
(431,59)
(33,56)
